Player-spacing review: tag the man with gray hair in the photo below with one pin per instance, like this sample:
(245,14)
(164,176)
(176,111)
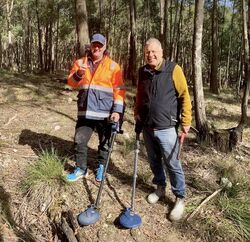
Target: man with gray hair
(162,103)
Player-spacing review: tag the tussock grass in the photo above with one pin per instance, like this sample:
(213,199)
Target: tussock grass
(48,170)
(44,182)
(234,201)
(128,147)
(238,211)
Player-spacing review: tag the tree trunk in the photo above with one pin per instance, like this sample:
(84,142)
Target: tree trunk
(162,17)
(145,29)
(214,82)
(112,38)
(10,52)
(170,27)
(111,13)
(31,49)
(39,37)
(52,62)
(178,34)
(45,47)
(199,103)
(81,26)
(50,37)
(246,34)
(229,50)
(26,42)
(132,49)
(165,31)
(174,32)
(100,16)
(1,51)
(57,36)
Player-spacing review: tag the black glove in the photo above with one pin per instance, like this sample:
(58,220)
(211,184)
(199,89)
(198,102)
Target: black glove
(138,127)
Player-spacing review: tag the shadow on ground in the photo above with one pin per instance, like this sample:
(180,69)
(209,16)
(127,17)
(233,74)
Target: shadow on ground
(41,141)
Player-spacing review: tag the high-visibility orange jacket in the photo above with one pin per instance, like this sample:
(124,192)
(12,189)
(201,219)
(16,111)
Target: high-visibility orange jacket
(100,93)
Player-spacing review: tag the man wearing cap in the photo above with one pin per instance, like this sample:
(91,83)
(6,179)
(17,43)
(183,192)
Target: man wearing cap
(101,98)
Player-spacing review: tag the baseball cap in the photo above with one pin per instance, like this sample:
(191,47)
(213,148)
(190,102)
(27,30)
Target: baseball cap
(98,38)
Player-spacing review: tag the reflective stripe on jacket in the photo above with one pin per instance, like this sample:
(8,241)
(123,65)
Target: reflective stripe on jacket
(100,93)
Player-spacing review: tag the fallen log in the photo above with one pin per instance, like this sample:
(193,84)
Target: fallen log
(68,231)
(68,227)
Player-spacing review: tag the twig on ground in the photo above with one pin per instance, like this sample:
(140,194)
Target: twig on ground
(10,119)
(24,202)
(68,231)
(225,183)
(74,225)
(204,202)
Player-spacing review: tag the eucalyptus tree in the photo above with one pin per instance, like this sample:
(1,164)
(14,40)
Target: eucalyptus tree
(174,44)
(166,26)
(164,4)
(82,25)
(246,35)
(178,32)
(228,48)
(199,102)
(214,81)
(9,8)
(1,35)
(39,32)
(132,47)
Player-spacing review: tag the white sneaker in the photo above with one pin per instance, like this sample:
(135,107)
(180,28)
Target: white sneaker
(156,195)
(178,210)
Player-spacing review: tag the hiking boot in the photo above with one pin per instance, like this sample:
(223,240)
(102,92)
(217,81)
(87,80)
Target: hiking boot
(76,174)
(157,194)
(178,210)
(99,173)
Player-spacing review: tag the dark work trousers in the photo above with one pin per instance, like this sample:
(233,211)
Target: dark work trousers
(83,132)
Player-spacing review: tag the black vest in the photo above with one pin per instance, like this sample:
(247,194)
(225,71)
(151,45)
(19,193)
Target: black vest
(157,97)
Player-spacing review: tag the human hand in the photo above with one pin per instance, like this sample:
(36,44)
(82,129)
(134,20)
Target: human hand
(82,69)
(137,118)
(115,117)
(185,129)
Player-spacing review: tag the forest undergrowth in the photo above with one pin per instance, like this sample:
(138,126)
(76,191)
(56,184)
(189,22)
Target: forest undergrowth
(38,115)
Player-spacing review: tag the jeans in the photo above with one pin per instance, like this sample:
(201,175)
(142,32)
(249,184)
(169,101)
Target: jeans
(84,130)
(162,149)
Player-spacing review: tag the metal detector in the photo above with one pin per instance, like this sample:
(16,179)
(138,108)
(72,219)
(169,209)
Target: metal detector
(129,219)
(91,215)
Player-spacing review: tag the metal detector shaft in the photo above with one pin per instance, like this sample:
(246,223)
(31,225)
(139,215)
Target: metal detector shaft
(113,135)
(137,149)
